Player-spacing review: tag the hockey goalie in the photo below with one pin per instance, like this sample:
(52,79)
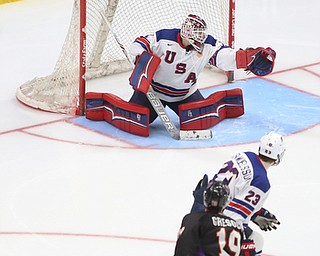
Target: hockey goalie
(170,61)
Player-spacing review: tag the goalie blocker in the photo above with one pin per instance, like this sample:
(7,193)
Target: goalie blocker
(143,72)
(206,113)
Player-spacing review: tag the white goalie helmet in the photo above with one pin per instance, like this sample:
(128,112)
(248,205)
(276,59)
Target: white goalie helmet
(194,29)
(272,146)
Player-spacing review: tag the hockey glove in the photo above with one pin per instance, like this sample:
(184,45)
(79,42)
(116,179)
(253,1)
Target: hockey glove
(198,195)
(265,220)
(259,61)
(248,248)
(143,72)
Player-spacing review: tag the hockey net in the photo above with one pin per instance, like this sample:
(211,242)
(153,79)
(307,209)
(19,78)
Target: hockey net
(90,51)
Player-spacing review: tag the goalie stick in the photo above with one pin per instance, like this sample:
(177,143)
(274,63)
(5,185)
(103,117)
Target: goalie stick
(159,108)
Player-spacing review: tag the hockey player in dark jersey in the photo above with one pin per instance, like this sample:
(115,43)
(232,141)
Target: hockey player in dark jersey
(210,233)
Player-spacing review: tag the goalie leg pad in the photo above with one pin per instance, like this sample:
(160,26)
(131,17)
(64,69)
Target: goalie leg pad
(94,106)
(124,115)
(203,114)
(142,74)
(231,102)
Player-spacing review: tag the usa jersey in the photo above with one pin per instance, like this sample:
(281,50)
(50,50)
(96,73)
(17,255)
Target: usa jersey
(208,234)
(177,75)
(249,185)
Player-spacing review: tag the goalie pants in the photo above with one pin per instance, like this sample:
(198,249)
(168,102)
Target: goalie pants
(142,100)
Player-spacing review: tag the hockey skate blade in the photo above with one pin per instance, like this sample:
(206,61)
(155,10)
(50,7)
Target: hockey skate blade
(196,135)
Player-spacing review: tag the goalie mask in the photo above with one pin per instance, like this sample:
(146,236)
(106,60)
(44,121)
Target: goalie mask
(194,29)
(216,195)
(272,146)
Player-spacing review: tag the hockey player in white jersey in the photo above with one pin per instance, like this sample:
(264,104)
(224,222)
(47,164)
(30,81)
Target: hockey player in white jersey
(183,55)
(170,61)
(246,175)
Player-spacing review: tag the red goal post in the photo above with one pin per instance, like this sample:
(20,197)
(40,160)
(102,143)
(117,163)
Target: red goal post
(90,51)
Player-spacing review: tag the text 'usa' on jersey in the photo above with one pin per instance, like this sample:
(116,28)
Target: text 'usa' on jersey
(180,67)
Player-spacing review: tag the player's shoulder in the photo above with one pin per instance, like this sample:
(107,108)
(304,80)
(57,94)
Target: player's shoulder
(194,216)
(260,177)
(168,34)
(211,40)
(244,158)
(194,220)
(250,157)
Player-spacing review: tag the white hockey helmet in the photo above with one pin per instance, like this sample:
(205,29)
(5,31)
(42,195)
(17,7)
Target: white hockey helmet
(272,146)
(194,29)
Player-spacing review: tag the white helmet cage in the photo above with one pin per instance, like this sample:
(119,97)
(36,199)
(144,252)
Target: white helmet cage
(272,146)
(194,29)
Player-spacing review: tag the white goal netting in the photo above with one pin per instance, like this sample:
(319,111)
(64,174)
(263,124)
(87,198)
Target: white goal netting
(59,91)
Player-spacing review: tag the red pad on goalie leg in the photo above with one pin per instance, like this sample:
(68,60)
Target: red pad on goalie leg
(206,113)
(124,115)
(94,106)
(231,102)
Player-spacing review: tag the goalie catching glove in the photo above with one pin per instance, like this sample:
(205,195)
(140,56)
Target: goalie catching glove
(259,61)
(265,220)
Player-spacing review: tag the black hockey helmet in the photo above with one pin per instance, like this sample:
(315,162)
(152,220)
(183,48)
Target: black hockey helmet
(216,195)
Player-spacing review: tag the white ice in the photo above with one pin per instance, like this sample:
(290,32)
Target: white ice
(67,191)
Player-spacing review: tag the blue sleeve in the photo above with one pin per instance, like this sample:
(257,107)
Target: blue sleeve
(260,179)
